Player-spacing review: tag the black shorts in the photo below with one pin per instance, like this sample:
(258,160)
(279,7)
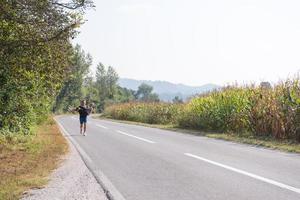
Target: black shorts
(82,119)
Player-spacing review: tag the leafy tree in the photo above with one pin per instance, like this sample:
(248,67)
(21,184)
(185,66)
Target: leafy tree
(106,84)
(90,92)
(34,57)
(124,95)
(111,81)
(101,81)
(144,93)
(153,97)
(177,99)
(71,92)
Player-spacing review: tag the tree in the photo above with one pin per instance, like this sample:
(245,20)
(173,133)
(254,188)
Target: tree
(153,97)
(71,92)
(144,93)
(101,81)
(34,57)
(177,99)
(106,84)
(111,81)
(90,92)
(124,95)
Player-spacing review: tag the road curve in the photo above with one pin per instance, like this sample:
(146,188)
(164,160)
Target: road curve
(151,164)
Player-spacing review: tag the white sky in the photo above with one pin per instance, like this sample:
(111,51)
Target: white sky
(195,41)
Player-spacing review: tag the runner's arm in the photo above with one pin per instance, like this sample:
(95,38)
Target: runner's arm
(72,109)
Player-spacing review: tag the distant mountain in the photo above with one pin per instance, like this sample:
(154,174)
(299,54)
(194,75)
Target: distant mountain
(166,90)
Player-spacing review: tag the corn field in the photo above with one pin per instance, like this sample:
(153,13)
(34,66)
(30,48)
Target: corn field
(264,112)
(152,113)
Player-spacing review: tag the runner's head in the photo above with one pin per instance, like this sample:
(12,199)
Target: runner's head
(82,103)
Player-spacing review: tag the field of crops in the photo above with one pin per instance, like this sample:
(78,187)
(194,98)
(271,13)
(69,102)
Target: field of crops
(259,111)
(152,113)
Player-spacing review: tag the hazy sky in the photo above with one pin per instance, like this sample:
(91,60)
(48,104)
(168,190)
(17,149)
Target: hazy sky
(195,41)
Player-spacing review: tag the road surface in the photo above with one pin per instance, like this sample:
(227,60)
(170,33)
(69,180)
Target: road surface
(144,163)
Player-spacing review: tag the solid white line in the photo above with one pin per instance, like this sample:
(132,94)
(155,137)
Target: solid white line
(270,181)
(104,182)
(139,138)
(66,133)
(101,126)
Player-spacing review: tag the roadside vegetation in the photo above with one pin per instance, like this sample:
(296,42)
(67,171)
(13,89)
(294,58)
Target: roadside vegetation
(100,90)
(253,112)
(37,60)
(26,161)
(42,72)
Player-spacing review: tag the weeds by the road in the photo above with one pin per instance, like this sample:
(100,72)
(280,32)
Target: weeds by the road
(26,161)
(152,113)
(241,111)
(258,111)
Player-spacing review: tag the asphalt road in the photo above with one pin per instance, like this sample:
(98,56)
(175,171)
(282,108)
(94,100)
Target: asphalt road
(152,164)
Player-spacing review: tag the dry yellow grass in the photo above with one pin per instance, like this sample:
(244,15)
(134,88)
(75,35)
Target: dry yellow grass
(26,161)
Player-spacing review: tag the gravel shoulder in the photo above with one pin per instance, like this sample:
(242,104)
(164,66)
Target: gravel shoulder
(72,180)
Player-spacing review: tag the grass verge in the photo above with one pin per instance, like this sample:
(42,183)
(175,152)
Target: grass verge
(26,161)
(283,145)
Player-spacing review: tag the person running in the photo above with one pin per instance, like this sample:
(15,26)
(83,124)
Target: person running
(83,111)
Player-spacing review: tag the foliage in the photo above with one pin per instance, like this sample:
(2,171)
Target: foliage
(218,111)
(144,93)
(99,91)
(258,111)
(152,113)
(90,92)
(177,99)
(106,85)
(72,90)
(34,57)
(276,112)
(106,81)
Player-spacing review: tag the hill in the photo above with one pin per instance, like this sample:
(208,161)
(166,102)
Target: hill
(167,90)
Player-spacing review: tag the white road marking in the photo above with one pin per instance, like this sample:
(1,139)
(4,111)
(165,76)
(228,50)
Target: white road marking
(270,181)
(66,133)
(139,138)
(101,126)
(105,183)
(74,117)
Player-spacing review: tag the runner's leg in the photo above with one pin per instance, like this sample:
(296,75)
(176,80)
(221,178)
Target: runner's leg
(84,127)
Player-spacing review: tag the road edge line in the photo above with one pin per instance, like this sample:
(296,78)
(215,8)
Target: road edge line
(245,173)
(109,189)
